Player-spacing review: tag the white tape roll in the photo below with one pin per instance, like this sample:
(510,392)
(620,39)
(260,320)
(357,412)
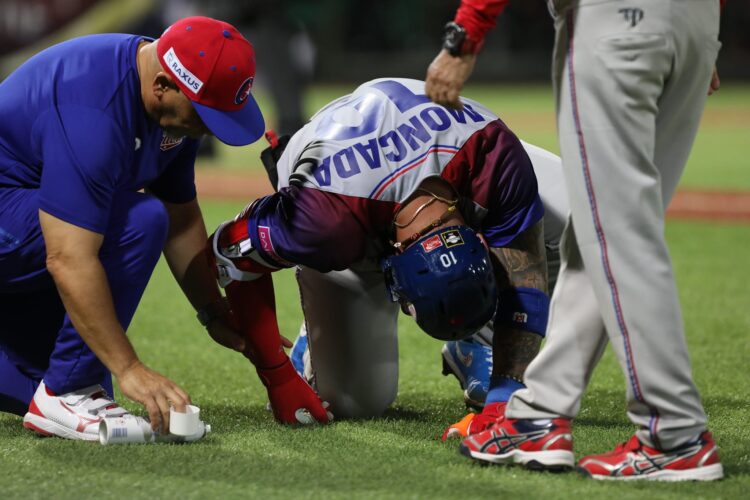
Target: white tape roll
(127,429)
(184,424)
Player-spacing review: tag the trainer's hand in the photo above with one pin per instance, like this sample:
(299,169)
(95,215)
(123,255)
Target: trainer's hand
(446,76)
(154,391)
(292,400)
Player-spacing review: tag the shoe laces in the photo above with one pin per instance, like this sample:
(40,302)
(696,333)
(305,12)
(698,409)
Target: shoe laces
(493,413)
(632,444)
(96,401)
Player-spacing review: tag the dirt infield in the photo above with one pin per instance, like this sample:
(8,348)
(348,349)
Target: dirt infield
(691,204)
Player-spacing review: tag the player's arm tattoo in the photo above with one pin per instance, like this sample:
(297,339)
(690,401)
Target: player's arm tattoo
(523,263)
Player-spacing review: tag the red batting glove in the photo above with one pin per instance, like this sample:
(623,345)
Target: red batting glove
(474,423)
(293,401)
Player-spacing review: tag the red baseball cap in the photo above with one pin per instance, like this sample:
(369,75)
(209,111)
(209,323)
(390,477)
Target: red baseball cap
(214,66)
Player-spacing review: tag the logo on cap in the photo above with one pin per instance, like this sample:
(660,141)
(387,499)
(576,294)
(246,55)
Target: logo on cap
(243,91)
(191,81)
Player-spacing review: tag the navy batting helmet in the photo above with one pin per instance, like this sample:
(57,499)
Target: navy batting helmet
(446,277)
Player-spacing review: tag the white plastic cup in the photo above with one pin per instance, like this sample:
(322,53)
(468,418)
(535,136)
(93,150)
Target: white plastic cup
(127,429)
(184,424)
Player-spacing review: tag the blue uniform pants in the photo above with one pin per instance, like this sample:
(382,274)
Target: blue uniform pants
(37,339)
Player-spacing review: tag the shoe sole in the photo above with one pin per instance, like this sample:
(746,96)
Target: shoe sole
(707,473)
(47,427)
(450,367)
(551,460)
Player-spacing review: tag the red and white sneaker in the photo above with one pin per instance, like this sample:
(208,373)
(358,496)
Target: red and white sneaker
(474,423)
(536,444)
(75,415)
(696,461)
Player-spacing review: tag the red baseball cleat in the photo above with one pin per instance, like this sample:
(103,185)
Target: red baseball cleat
(474,423)
(695,461)
(536,444)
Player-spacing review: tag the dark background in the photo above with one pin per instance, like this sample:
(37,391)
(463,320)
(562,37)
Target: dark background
(361,39)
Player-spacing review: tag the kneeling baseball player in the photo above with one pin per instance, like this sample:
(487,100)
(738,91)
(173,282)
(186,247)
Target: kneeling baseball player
(385,200)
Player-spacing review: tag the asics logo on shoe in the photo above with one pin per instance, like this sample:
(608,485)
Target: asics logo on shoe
(638,462)
(502,441)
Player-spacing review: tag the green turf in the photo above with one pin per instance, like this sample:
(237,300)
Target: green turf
(399,456)
(717,160)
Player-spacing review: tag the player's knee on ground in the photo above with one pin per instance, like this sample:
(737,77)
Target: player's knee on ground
(360,405)
(365,396)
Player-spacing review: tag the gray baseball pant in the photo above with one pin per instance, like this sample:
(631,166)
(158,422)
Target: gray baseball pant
(630,82)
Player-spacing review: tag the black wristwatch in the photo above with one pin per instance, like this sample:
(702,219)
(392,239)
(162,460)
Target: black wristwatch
(212,311)
(455,41)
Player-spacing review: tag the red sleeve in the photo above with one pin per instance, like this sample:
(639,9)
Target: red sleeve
(478,17)
(254,307)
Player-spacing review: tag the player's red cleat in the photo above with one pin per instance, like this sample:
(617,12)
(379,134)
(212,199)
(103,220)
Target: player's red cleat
(695,461)
(536,444)
(474,423)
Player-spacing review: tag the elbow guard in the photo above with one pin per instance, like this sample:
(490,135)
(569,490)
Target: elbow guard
(231,251)
(524,308)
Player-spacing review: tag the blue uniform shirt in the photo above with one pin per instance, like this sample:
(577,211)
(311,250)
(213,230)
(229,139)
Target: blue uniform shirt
(74,126)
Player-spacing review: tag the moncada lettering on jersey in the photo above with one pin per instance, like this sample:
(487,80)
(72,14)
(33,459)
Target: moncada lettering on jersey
(393,144)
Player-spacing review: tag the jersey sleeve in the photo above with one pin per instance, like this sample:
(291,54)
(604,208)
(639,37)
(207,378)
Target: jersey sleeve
(83,154)
(309,227)
(176,184)
(493,173)
(515,204)
(478,17)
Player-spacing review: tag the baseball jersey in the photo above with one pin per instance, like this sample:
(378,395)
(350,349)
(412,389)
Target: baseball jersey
(343,176)
(75,128)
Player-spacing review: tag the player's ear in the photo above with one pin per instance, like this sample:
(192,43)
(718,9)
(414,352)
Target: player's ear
(162,83)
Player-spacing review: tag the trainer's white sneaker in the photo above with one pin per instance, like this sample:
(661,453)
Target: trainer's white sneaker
(75,415)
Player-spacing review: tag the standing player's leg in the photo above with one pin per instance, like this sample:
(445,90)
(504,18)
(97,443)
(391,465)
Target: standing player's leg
(609,109)
(695,36)
(352,335)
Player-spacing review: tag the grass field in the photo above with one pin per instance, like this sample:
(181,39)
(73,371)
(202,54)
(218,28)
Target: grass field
(401,456)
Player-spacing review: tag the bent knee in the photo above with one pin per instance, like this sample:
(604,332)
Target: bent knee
(149,217)
(360,404)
